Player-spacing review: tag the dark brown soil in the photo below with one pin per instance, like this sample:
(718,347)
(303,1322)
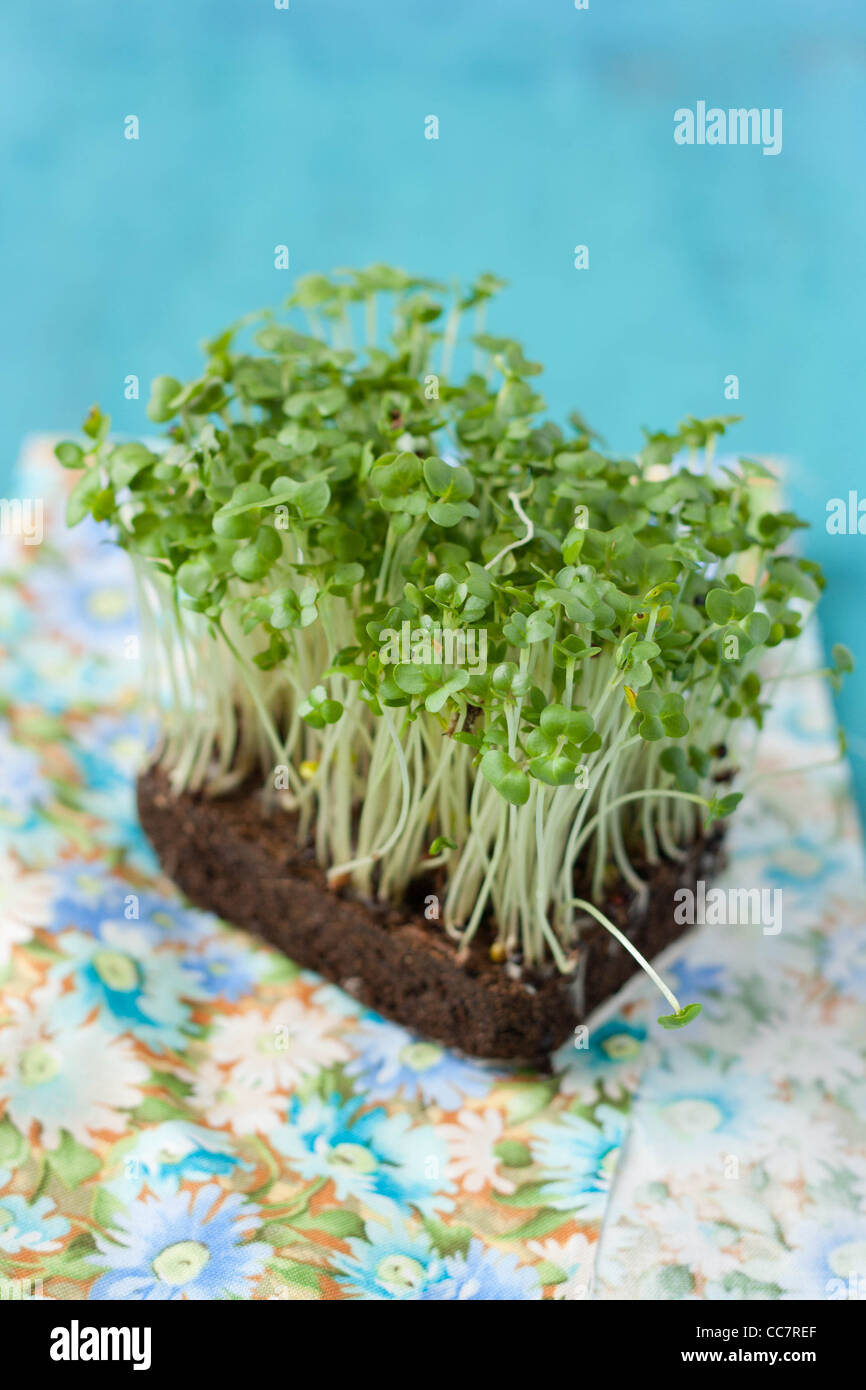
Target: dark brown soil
(232,858)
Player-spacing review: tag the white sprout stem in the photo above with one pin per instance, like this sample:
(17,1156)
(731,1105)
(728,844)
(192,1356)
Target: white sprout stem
(514,499)
(624,941)
(365,777)
(638,796)
(368,859)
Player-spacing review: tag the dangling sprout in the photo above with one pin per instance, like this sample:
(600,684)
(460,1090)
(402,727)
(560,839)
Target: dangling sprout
(451,638)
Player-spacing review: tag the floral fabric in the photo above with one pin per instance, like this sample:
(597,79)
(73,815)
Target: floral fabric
(745,1170)
(186,1114)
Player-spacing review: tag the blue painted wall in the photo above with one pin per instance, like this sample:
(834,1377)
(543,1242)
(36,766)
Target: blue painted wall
(305,127)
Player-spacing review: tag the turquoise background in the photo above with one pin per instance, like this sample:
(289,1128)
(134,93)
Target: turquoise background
(306,127)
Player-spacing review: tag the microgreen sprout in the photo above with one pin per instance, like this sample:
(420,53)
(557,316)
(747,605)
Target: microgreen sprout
(335,480)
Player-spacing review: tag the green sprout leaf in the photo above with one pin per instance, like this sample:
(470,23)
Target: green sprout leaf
(842,658)
(720,807)
(163,393)
(83,496)
(503,773)
(318,709)
(680,1020)
(70,454)
(195,578)
(440,844)
(661,715)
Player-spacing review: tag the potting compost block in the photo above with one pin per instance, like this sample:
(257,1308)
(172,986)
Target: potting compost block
(185,1113)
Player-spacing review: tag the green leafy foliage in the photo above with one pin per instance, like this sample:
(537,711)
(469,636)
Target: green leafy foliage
(322,522)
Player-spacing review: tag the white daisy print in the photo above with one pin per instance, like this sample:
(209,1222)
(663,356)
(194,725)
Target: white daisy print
(786,1049)
(81,1081)
(246,1107)
(575,1257)
(276,1050)
(25,904)
(471,1142)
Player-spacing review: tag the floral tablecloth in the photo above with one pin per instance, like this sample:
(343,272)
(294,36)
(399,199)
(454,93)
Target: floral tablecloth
(186,1114)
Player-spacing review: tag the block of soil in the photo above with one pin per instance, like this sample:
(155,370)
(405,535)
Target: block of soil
(230,856)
